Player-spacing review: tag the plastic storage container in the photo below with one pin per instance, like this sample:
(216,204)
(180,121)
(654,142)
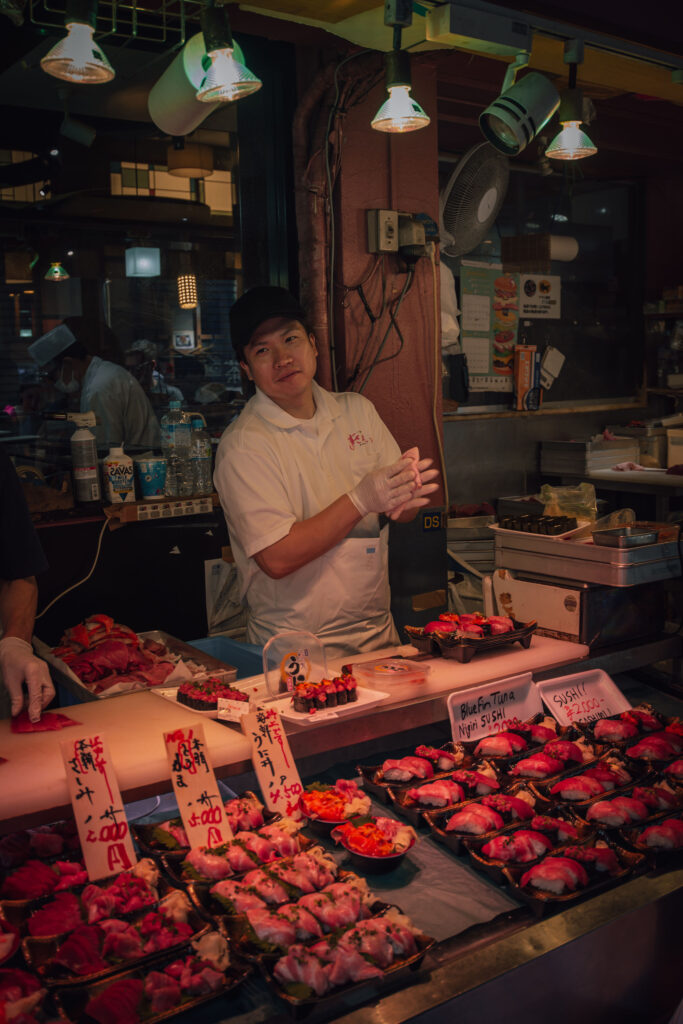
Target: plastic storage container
(399,677)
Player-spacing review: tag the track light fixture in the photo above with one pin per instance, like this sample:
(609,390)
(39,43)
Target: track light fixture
(77,58)
(226,78)
(521,110)
(571,143)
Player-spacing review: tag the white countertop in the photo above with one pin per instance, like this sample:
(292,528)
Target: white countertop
(33,778)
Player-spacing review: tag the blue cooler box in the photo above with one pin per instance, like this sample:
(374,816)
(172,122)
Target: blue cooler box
(246,658)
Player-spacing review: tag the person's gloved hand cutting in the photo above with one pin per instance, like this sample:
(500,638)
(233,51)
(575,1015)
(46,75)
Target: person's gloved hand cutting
(385,489)
(19,664)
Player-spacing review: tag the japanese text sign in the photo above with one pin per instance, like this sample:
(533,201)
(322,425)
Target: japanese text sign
(483,710)
(98,809)
(195,787)
(583,697)
(273,762)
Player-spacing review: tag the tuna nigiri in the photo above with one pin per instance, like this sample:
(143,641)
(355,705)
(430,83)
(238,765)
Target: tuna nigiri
(518,848)
(665,835)
(556,874)
(441,793)
(475,819)
(614,730)
(538,766)
(501,745)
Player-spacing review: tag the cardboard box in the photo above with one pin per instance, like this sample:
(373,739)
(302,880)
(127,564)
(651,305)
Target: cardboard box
(527,392)
(674,455)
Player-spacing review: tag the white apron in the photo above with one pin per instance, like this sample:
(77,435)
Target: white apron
(343,598)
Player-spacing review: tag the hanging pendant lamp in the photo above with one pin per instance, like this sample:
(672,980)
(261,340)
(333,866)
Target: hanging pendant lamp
(77,58)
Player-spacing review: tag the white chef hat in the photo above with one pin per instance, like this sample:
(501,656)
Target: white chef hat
(144,345)
(50,345)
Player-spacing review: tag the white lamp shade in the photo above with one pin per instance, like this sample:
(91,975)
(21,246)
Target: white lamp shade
(143,261)
(77,58)
(571,143)
(400,112)
(226,79)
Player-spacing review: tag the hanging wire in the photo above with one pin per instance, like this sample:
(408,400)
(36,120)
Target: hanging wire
(410,277)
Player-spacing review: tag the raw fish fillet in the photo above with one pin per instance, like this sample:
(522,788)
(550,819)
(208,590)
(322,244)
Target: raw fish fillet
(258,845)
(162,991)
(269,889)
(28,882)
(241,898)
(119,1003)
(305,925)
(60,915)
(285,843)
(49,721)
(81,952)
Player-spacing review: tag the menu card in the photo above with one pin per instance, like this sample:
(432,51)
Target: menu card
(485,709)
(273,762)
(195,787)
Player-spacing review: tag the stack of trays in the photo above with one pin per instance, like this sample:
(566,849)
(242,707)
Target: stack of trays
(470,542)
(575,458)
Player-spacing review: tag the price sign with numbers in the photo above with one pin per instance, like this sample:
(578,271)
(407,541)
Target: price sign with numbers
(195,787)
(273,762)
(98,808)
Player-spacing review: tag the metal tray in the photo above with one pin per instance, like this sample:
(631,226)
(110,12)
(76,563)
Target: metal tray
(622,573)
(508,541)
(625,537)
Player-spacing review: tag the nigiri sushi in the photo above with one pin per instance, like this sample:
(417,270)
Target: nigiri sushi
(653,748)
(675,770)
(599,858)
(577,787)
(474,781)
(665,835)
(503,744)
(537,766)
(511,807)
(517,848)
(556,875)
(475,819)
(563,829)
(441,793)
(614,730)
(564,750)
(443,760)
(406,768)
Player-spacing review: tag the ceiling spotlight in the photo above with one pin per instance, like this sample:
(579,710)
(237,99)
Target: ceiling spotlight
(226,78)
(521,110)
(77,58)
(571,143)
(56,272)
(400,112)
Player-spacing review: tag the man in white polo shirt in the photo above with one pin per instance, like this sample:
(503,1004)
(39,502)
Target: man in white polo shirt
(303,475)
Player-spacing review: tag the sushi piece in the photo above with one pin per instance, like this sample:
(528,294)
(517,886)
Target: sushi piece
(475,819)
(537,766)
(441,793)
(301,966)
(204,863)
(439,626)
(614,730)
(653,748)
(636,809)
(306,927)
(578,787)
(609,774)
(265,885)
(565,750)
(500,624)
(557,875)
(599,858)
(665,835)
(617,812)
(643,718)
(675,770)
(512,808)
(657,798)
(504,744)
(563,830)
(518,848)
(406,768)
(670,736)
(244,813)
(236,897)
(480,783)
(270,929)
(282,835)
(443,760)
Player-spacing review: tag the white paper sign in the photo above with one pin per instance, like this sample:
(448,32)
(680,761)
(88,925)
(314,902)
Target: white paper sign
(583,697)
(98,807)
(273,762)
(540,296)
(195,787)
(486,709)
(232,710)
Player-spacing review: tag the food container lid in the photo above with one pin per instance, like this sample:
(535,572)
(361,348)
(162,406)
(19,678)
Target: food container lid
(391,672)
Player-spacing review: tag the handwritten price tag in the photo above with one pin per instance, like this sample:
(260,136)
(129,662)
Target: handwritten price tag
(583,697)
(195,787)
(97,805)
(482,710)
(273,762)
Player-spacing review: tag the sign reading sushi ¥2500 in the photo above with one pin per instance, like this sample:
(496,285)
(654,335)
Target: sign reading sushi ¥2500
(487,709)
(98,807)
(582,697)
(195,787)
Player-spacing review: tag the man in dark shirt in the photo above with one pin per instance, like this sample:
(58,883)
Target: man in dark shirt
(21,559)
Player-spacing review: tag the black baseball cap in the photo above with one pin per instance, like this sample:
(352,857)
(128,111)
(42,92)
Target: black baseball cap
(255,307)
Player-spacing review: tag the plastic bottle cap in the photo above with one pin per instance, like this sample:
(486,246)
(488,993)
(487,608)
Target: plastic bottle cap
(118,450)
(174,404)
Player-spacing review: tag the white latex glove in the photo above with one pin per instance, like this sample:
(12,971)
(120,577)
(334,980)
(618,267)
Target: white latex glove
(19,664)
(384,489)
(423,476)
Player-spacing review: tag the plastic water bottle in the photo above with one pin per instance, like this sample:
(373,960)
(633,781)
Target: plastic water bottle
(84,466)
(175,445)
(200,456)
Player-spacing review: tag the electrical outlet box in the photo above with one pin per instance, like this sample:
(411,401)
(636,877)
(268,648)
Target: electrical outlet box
(398,13)
(382,231)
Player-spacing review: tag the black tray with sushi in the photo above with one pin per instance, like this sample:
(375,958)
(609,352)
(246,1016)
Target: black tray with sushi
(462,648)
(532,840)
(628,727)
(154,840)
(569,884)
(317,990)
(553,760)
(181,873)
(464,783)
(418,767)
(518,739)
(479,820)
(147,1000)
(611,772)
(39,953)
(633,805)
(660,842)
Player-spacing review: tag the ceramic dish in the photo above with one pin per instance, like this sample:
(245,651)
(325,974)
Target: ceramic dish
(360,835)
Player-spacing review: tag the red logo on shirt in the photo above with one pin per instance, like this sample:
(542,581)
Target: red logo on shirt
(358,439)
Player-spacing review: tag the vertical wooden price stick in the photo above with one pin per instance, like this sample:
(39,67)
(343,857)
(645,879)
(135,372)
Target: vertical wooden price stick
(273,762)
(195,787)
(98,807)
